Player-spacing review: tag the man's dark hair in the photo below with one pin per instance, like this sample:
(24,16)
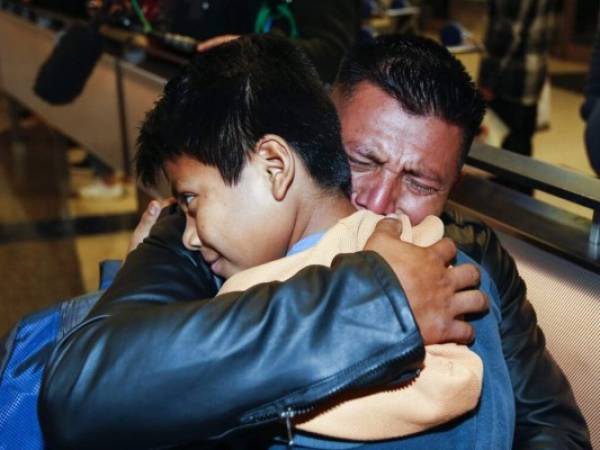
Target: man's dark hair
(421,75)
(219,106)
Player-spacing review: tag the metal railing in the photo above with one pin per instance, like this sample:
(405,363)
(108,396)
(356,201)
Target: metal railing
(522,170)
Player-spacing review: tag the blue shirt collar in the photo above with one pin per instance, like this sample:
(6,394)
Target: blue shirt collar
(305,243)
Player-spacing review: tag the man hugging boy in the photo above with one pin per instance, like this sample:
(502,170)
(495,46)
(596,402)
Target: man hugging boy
(250,142)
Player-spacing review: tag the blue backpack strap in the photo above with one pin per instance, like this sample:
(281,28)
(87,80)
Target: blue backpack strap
(108,271)
(6,347)
(32,343)
(23,356)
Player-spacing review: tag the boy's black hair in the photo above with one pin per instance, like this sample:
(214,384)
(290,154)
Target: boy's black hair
(218,107)
(421,75)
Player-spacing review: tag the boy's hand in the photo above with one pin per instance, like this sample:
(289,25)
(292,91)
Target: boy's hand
(147,221)
(215,41)
(438,294)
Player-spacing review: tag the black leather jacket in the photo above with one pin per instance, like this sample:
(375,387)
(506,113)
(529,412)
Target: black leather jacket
(146,371)
(151,367)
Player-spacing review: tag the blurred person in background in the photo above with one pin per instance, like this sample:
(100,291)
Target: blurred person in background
(590,110)
(323,29)
(514,67)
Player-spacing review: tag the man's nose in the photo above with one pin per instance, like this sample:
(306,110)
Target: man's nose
(190,238)
(379,197)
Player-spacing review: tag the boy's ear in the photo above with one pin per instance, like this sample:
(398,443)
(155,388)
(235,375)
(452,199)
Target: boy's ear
(279,162)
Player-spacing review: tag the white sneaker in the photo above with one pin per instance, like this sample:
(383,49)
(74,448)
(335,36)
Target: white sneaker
(101,190)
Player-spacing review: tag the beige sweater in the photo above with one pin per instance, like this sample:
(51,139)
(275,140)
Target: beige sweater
(449,384)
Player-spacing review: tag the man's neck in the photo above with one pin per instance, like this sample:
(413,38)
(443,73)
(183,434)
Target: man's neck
(318,213)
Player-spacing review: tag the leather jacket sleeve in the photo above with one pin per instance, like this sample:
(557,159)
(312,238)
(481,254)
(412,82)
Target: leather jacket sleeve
(151,367)
(546,412)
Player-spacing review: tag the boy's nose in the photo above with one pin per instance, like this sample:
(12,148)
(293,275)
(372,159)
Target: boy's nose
(190,238)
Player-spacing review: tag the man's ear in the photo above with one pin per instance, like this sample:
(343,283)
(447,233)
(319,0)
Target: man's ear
(279,163)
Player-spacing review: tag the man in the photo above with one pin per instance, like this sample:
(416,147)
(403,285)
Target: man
(514,67)
(590,110)
(403,156)
(92,361)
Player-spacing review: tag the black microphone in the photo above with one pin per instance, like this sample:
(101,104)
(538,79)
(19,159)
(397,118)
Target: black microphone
(63,75)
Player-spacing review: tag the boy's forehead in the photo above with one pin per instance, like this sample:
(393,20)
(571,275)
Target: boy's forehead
(182,170)
(187,173)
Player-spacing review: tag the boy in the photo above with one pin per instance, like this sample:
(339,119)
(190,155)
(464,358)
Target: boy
(251,144)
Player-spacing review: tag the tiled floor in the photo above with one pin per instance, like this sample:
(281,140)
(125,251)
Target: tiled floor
(51,242)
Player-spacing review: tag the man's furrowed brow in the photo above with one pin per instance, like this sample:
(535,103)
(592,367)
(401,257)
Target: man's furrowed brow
(373,154)
(367,151)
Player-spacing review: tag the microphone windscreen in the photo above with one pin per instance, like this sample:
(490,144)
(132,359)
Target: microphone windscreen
(452,35)
(63,75)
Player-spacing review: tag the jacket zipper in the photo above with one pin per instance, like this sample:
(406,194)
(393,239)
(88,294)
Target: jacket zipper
(288,414)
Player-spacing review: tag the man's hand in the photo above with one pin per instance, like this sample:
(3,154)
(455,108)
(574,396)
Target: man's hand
(438,294)
(147,221)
